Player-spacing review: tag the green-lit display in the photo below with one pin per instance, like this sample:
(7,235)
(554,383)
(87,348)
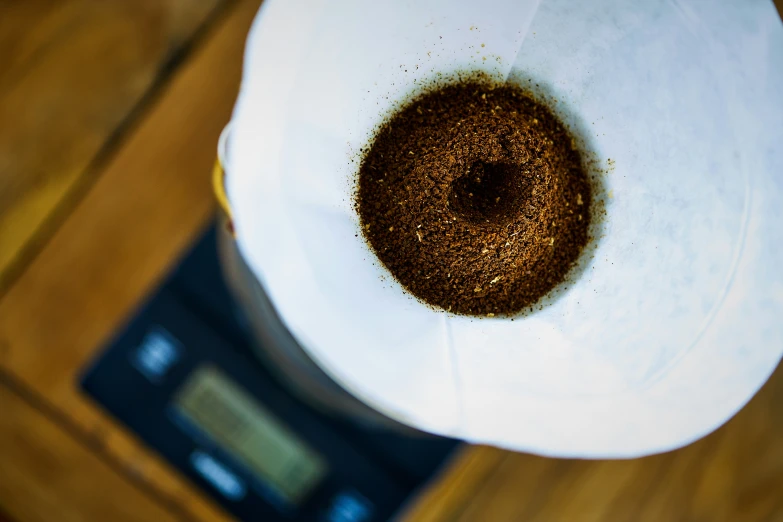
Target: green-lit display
(250,433)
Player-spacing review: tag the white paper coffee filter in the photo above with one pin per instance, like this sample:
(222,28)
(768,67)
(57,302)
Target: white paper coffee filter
(676,320)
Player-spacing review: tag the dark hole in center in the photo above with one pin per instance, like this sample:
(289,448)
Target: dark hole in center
(490,192)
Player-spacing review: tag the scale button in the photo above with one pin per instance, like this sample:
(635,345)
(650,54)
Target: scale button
(222,479)
(349,506)
(156,354)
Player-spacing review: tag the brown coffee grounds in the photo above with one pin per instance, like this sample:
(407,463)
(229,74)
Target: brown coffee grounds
(475,199)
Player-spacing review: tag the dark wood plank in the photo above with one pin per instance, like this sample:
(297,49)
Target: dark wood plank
(151,199)
(452,491)
(45,475)
(73,72)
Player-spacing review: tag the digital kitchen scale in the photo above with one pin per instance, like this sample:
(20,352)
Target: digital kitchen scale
(183,377)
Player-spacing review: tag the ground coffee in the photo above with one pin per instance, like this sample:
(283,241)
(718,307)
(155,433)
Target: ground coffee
(475,199)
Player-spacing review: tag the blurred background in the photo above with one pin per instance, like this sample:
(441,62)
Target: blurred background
(110,113)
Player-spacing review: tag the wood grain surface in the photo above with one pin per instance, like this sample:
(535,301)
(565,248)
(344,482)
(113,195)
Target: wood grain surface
(47,476)
(72,74)
(151,199)
(61,458)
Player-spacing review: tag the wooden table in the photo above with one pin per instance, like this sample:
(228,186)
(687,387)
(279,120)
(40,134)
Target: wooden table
(109,116)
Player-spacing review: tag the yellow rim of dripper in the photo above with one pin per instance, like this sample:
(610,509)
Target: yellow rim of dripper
(219,180)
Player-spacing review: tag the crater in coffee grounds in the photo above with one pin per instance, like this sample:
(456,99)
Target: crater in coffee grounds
(475,198)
